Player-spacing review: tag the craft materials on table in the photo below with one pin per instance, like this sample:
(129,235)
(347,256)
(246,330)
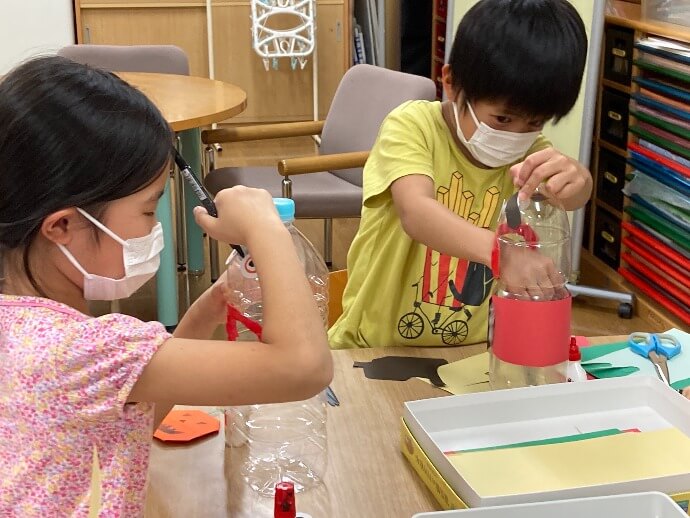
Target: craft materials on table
(618,359)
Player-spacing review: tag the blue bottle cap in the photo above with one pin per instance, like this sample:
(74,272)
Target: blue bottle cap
(286,209)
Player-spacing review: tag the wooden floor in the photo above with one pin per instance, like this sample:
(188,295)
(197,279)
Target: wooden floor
(590,317)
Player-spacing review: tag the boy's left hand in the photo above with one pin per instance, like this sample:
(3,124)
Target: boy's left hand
(565,178)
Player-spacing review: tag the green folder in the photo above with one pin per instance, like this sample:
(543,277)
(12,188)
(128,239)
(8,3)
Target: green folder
(661,225)
(660,141)
(661,70)
(671,128)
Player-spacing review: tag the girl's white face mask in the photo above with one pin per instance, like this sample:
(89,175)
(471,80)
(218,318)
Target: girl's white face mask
(492,147)
(141,258)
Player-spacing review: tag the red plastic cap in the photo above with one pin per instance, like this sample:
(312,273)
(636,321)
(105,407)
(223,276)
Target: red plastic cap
(284,506)
(574,355)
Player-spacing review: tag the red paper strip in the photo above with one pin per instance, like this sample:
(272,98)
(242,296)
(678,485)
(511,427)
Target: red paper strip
(534,334)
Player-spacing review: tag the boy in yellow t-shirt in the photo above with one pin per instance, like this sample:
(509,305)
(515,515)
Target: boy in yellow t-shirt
(439,172)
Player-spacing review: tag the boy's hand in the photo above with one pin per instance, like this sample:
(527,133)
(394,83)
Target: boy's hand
(529,274)
(243,213)
(565,179)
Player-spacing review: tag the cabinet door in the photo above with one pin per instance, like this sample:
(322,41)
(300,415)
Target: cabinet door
(181,26)
(283,94)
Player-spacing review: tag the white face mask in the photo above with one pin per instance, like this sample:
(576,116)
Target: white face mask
(141,258)
(492,147)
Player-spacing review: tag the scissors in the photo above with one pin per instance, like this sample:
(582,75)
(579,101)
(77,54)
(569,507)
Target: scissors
(658,348)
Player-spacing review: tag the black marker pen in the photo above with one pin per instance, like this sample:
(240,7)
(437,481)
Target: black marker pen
(200,191)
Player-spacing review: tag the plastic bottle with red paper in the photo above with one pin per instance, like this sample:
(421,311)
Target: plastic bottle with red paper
(284,442)
(529,326)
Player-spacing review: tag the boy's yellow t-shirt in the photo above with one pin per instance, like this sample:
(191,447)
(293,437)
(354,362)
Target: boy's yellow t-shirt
(399,291)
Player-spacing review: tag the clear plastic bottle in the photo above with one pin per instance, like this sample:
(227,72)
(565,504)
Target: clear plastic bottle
(284,442)
(529,330)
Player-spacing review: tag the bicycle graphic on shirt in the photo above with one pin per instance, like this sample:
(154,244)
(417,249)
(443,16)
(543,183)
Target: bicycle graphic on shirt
(428,304)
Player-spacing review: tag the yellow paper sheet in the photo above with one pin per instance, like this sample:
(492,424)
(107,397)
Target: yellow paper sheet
(466,376)
(617,458)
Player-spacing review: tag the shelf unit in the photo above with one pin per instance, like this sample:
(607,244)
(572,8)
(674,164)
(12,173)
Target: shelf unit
(439,33)
(610,258)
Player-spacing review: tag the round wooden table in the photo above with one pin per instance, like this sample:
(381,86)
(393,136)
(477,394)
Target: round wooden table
(186,102)
(189,102)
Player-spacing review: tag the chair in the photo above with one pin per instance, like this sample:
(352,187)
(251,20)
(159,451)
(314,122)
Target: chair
(365,96)
(336,286)
(164,59)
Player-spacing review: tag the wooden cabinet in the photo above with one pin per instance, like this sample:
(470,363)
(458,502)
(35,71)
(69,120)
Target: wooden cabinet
(272,96)
(181,26)
(284,91)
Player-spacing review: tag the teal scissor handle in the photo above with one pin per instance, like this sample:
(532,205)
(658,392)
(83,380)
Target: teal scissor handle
(644,343)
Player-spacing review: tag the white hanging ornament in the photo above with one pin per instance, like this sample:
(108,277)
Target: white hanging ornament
(296,42)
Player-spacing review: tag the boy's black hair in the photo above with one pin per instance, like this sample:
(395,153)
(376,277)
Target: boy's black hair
(71,136)
(528,53)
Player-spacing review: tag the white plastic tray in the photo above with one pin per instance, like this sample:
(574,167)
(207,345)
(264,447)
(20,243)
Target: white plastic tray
(509,416)
(640,505)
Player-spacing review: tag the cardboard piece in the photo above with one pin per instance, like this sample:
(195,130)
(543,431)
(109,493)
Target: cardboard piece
(401,368)
(186,425)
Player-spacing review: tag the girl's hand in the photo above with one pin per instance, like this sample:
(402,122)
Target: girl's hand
(242,214)
(212,304)
(565,179)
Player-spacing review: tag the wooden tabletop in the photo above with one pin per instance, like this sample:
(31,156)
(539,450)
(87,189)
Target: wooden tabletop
(189,102)
(367,474)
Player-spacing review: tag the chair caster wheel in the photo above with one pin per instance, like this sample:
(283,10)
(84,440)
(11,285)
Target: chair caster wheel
(625,310)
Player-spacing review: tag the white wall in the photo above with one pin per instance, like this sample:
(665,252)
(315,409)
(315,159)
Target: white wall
(33,27)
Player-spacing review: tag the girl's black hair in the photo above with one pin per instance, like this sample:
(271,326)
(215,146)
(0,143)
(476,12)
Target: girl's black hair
(71,136)
(528,53)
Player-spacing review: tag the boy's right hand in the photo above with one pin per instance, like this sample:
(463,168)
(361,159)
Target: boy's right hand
(528,273)
(242,213)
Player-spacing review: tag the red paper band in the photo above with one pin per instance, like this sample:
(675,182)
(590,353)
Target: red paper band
(534,334)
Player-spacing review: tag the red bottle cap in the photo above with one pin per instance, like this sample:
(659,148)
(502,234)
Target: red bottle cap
(284,503)
(575,355)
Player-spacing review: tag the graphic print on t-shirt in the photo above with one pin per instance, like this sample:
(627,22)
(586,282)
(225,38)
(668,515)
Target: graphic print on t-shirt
(448,287)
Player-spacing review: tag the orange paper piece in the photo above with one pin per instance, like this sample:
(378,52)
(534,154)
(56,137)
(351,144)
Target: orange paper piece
(186,425)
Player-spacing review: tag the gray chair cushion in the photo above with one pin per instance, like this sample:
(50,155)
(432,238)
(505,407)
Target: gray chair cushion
(162,59)
(365,96)
(317,195)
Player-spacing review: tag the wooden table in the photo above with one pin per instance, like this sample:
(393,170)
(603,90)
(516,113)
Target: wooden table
(367,474)
(187,103)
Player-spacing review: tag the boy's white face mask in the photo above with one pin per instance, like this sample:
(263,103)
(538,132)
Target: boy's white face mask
(492,147)
(141,258)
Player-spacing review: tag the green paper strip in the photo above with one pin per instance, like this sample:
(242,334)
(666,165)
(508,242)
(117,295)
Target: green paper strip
(592,352)
(661,225)
(672,128)
(541,442)
(611,372)
(681,384)
(661,70)
(659,141)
